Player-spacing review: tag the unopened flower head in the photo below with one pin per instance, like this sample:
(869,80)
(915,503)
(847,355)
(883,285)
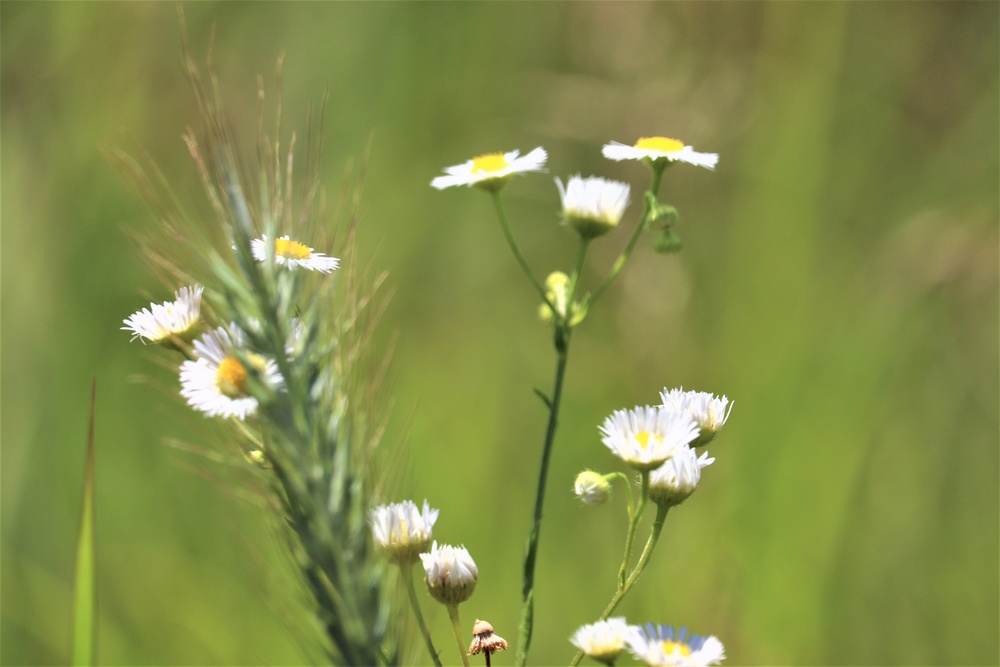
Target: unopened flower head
(491,171)
(215,381)
(604,640)
(645,437)
(450,573)
(659,645)
(402,530)
(707,410)
(675,480)
(660,151)
(592,488)
(294,254)
(557,289)
(484,640)
(593,206)
(161,321)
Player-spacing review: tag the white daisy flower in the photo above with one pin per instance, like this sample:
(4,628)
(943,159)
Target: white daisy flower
(171,318)
(675,480)
(215,382)
(451,574)
(660,646)
(707,410)
(402,530)
(593,206)
(294,254)
(660,149)
(646,436)
(491,171)
(604,640)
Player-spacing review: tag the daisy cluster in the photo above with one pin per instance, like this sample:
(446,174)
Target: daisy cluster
(218,376)
(655,645)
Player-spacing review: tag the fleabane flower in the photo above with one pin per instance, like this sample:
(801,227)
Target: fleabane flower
(402,530)
(659,645)
(450,574)
(647,436)
(215,381)
(677,478)
(161,321)
(660,150)
(593,206)
(294,254)
(604,640)
(491,171)
(707,410)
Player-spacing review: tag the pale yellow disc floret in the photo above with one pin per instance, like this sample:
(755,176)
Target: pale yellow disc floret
(663,144)
(670,646)
(291,249)
(231,377)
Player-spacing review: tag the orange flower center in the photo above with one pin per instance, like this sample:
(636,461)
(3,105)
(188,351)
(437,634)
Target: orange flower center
(291,249)
(489,162)
(231,378)
(662,144)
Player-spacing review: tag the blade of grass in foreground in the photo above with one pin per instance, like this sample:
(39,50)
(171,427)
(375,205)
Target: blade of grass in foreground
(85,591)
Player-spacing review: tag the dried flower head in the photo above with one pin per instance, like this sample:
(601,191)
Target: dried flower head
(484,640)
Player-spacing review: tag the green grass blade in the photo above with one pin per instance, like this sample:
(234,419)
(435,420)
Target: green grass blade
(85,589)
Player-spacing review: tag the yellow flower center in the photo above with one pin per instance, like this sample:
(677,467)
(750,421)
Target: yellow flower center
(490,162)
(231,378)
(662,144)
(645,437)
(670,646)
(291,249)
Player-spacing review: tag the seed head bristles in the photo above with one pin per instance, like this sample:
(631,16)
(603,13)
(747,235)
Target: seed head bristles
(304,361)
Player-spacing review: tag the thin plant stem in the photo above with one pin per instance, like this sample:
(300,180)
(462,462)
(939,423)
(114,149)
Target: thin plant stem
(411,593)
(457,627)
(654,536)
(632,525)
(581,253)
(527,593)
(517,251)
(643,221)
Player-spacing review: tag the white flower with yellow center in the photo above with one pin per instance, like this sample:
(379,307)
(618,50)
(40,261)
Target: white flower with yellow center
(492,170)
(660,150)
(675,480)
(593,206)
(604,640)
(294,254)
(402,530)
(215,381)
(450,573)
(660,646)
(707,410)
(646,437)
(161,321)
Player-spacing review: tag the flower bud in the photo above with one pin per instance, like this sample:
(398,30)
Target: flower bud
(451,574)
(593,206)
(592,488)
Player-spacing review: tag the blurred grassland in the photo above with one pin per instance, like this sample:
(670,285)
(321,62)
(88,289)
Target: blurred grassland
(839,281)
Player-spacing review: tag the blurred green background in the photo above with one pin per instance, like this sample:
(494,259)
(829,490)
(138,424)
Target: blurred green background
(839,282)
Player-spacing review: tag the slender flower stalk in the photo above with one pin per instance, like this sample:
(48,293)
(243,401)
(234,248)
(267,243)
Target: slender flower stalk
(456,626)
(411,593)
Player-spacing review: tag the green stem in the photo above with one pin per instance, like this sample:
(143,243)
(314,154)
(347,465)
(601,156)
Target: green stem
(581,253)
(654,535)
(633,524)
(517,251)
(620,262)
(412,594)
(457,627)
(527,594)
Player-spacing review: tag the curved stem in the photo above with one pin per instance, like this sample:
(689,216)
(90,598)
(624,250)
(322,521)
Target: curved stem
(457,627)
(632,526)
(654,536)
(531,551)
(411,593)
(517,251)
(620,262)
